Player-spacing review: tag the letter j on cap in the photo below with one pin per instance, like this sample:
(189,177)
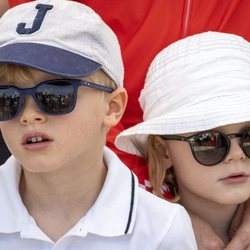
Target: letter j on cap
(41,13)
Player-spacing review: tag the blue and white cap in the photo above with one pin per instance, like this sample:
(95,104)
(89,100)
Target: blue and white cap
(60,37)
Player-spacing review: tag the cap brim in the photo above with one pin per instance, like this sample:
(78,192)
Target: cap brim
(48,58)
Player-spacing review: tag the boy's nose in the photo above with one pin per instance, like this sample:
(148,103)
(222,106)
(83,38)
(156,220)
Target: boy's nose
(235,152)
(30,113)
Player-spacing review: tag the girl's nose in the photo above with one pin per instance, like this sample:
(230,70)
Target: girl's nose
(235,152)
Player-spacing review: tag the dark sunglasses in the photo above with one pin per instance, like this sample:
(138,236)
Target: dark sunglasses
(53,97)
(211,147)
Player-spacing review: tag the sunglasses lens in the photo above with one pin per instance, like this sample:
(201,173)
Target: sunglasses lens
(9,103)
(245,140)
(56,98)
(210,148)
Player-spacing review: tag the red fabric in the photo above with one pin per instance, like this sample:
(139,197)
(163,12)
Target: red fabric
(144,27)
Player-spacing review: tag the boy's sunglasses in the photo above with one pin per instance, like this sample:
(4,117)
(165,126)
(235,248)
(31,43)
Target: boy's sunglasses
(211,147)
(53,97)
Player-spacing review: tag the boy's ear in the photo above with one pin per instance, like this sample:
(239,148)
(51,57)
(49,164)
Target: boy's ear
(117,102)
(162,148)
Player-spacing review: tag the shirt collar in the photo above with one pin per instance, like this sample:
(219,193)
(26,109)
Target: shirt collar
(113,213)
(12,211)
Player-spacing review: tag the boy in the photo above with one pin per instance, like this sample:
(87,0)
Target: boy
(61,91)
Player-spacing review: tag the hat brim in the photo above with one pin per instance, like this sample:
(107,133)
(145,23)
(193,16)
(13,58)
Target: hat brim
(48,58)
(230,110)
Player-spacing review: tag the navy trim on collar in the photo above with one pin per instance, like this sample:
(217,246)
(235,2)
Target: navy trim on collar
(131,202)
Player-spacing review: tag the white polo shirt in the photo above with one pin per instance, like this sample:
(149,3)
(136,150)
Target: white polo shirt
(124,217)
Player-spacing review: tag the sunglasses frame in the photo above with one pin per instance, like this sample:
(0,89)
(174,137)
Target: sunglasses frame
(191,140)
(75,83)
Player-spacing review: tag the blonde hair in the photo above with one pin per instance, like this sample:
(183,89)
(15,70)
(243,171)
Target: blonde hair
(100,77)
(158,173)
(12,72)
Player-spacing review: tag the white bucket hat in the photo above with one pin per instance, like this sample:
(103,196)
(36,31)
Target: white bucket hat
(197,83)
(60,37)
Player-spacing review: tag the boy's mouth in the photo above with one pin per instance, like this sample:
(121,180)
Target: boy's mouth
(37,139)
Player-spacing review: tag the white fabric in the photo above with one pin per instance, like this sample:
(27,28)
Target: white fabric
(197,83)
(155,224)
(69,26)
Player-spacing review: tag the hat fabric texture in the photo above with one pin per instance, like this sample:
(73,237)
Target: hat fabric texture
(195,84)
(60,37)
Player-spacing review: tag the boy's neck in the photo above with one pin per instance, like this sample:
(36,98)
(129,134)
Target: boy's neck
(65,197)
(218,216)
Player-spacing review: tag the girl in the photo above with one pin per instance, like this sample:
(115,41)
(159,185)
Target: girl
(196,130)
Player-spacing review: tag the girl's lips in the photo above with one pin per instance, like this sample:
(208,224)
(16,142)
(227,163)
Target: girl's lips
(235,178)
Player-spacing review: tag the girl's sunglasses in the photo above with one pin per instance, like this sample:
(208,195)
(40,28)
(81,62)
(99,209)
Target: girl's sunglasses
(211,147)
(53,97)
